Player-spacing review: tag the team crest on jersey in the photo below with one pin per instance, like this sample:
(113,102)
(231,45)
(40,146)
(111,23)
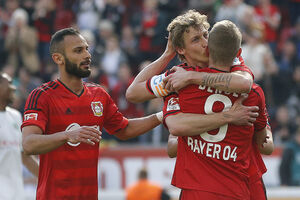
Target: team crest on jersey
(30,116)
(173,104)
(97,108)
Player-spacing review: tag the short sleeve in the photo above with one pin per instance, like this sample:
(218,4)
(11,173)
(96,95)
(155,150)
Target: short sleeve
(171,106)
(239,65)
(114,120)
(36,109)
(262,119)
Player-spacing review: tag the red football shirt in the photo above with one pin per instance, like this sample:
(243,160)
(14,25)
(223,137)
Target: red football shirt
(70,171)
(216,161)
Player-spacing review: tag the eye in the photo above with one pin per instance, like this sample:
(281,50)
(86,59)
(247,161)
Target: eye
(205,35)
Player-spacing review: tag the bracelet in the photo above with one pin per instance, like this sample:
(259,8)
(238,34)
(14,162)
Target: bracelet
(160,116)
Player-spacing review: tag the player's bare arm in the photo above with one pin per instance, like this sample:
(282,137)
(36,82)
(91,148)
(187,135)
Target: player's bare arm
(172,146)
(239,81)
(137,91)
(31,163)
(188,124)
(35,142)
(138,126)
(264,140)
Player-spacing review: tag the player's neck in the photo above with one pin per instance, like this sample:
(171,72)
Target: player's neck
(219,66)
(73,83)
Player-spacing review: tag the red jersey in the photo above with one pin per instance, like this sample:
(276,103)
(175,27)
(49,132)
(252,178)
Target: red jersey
(70,171)
(215,161)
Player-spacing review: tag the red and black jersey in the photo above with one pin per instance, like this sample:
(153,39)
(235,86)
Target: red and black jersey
(216,161)
(70,171)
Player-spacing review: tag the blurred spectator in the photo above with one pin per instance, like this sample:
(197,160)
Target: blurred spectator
(125,78)
(5,14)
(112,58)
(21,43)
(88,15)
(143,189)
(129,45)
(290,163)
(283,126)
(150,26)
(295,37)
(282,82)
(264,65)
(233,10)
(270,16)
(44,18)
(28,5)
(64,16)
(105,30)
(114,11)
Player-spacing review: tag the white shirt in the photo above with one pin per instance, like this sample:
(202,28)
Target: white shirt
(11,178)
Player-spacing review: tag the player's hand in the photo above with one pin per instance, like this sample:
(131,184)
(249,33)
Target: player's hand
(85,134)
(243,115)
(177,80)
(169,48)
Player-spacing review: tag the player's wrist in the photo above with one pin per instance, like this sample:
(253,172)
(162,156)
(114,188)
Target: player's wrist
(160,116)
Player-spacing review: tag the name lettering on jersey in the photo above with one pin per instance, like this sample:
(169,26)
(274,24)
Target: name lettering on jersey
(212,150)
(97,108)
(216,91)
(173,104)
(30,116)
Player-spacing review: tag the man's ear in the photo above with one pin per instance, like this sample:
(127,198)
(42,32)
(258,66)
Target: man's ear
(180,50)
(239,53)
(58,58)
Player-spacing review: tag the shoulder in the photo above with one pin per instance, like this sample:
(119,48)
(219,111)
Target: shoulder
(45,88)
(257,89)
(94,87)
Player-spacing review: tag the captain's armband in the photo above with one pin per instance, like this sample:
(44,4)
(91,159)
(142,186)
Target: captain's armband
(156,84)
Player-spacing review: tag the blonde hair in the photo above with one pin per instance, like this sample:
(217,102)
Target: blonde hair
(181,23)
(224,42)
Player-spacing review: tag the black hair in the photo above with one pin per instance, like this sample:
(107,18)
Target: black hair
(59,37)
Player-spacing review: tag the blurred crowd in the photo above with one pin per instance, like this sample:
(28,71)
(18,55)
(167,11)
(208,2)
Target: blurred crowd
(126,35)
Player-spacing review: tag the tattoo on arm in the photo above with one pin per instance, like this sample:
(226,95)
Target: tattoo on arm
(217,80)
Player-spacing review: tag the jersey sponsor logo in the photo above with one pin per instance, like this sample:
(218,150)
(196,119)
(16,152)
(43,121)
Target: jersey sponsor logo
(30,116)
(75,126)
(213,150)
(173,104)
(97,108)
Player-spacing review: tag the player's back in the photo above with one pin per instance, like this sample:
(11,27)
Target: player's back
(215,161)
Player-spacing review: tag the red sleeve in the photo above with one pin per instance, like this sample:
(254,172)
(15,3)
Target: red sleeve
(114,120)
(171,106)
(262,119)
(239,65)
(36,109)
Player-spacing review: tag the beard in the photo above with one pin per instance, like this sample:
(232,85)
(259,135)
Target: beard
(75,70)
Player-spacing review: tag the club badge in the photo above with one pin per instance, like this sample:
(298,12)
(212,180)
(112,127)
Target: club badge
(97,108)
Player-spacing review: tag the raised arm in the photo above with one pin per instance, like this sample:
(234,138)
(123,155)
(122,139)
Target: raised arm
(187,124)
(238,81)
(137,91)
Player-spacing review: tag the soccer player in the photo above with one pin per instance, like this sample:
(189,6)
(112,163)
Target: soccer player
(63,120)
(186,42)
(214,165)
(12,156)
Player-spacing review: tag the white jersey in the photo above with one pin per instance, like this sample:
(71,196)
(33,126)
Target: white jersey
(11,178)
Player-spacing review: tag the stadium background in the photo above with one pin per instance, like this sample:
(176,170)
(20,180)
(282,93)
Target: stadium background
(126,35)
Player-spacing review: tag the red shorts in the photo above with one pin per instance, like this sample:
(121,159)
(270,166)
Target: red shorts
(202,195)
(257,190)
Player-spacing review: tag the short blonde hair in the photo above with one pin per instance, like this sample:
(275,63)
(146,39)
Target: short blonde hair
(224,42)
(181,23)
